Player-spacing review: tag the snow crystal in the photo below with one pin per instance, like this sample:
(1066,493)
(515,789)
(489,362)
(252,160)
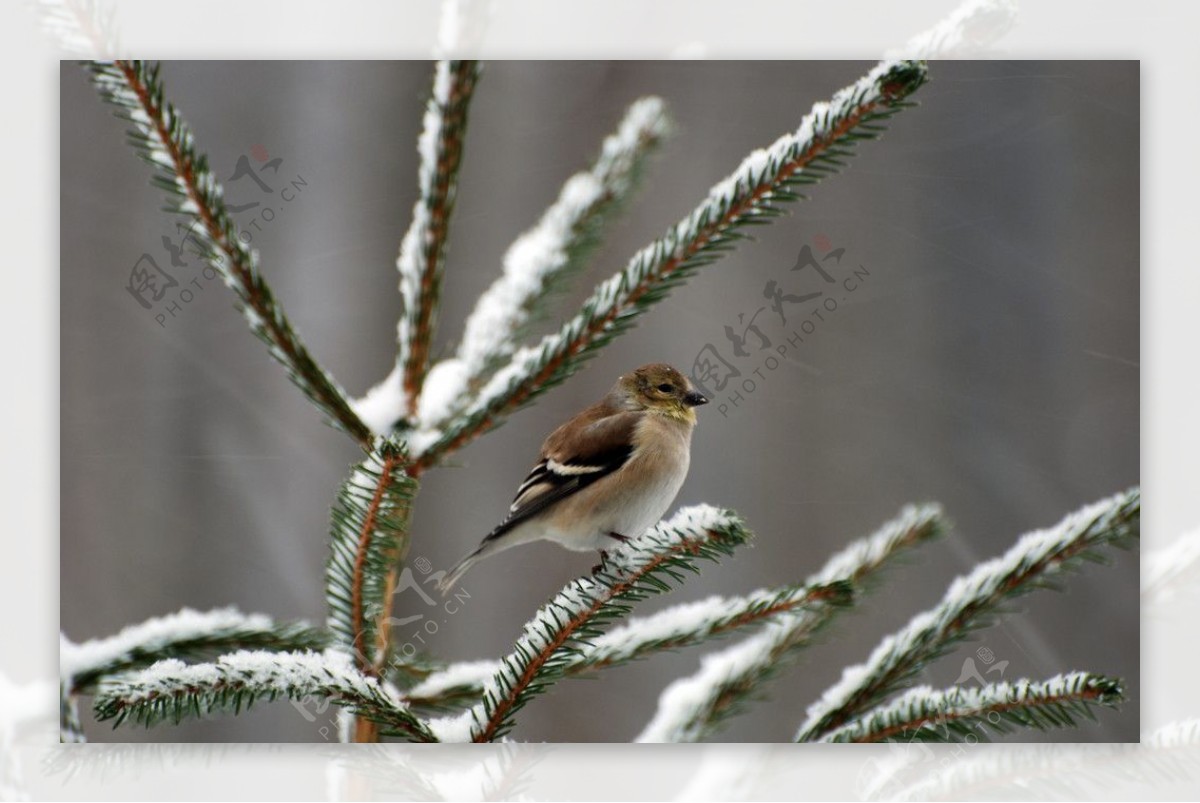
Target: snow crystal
(184,625)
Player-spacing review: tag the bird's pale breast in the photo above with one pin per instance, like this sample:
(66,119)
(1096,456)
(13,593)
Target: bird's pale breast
(635,497)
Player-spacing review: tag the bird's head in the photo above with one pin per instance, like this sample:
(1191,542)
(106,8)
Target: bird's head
(658,387)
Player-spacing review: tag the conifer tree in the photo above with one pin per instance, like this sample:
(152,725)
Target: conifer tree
(193,664)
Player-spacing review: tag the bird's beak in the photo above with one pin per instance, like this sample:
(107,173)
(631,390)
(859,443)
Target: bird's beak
(695,399)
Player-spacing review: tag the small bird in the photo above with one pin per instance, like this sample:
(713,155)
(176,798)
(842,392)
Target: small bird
(606,475)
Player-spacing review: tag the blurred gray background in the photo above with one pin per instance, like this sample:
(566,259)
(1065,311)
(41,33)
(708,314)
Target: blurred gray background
(989,361)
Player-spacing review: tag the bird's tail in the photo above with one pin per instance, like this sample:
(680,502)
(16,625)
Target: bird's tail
(451,578)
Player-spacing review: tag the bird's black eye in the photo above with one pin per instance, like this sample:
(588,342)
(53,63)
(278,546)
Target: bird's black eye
(665,388)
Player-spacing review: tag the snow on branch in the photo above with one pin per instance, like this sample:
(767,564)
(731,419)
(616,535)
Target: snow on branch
(165,141)
(924,714)
(541,259)
(452,684)
(185,634)
(969,603)
(171,690)
(580,612)
(423,249)
(751,194)
(914,524)
(669,629)
(693,707)
(696,622)
(369,540)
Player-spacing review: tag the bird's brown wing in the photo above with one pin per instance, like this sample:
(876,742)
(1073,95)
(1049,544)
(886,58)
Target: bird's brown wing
(573,457)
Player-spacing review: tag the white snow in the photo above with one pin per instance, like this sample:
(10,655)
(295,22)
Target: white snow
(384,404)
(184,625)
(471,674)
(294,673)
(678,620)
(454,729)
(676,719)
(444,389)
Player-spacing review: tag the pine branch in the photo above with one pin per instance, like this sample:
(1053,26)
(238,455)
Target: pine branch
(539,263)
(698,622)
(859,562)
(165,141)
(923,714)
(580,612)
(751,195)
(171,690)
(187,634)
(670,629)
(970,603)
(693,707)
(423,250)
(369,541)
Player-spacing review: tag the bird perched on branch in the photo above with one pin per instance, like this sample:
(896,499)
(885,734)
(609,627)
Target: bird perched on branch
(608,474)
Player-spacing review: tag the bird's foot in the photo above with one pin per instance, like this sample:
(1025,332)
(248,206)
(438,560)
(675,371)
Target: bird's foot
(599,567)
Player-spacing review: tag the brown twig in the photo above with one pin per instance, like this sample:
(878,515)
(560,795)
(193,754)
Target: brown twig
(252,290)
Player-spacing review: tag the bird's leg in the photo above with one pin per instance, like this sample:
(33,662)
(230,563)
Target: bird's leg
(621,539)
